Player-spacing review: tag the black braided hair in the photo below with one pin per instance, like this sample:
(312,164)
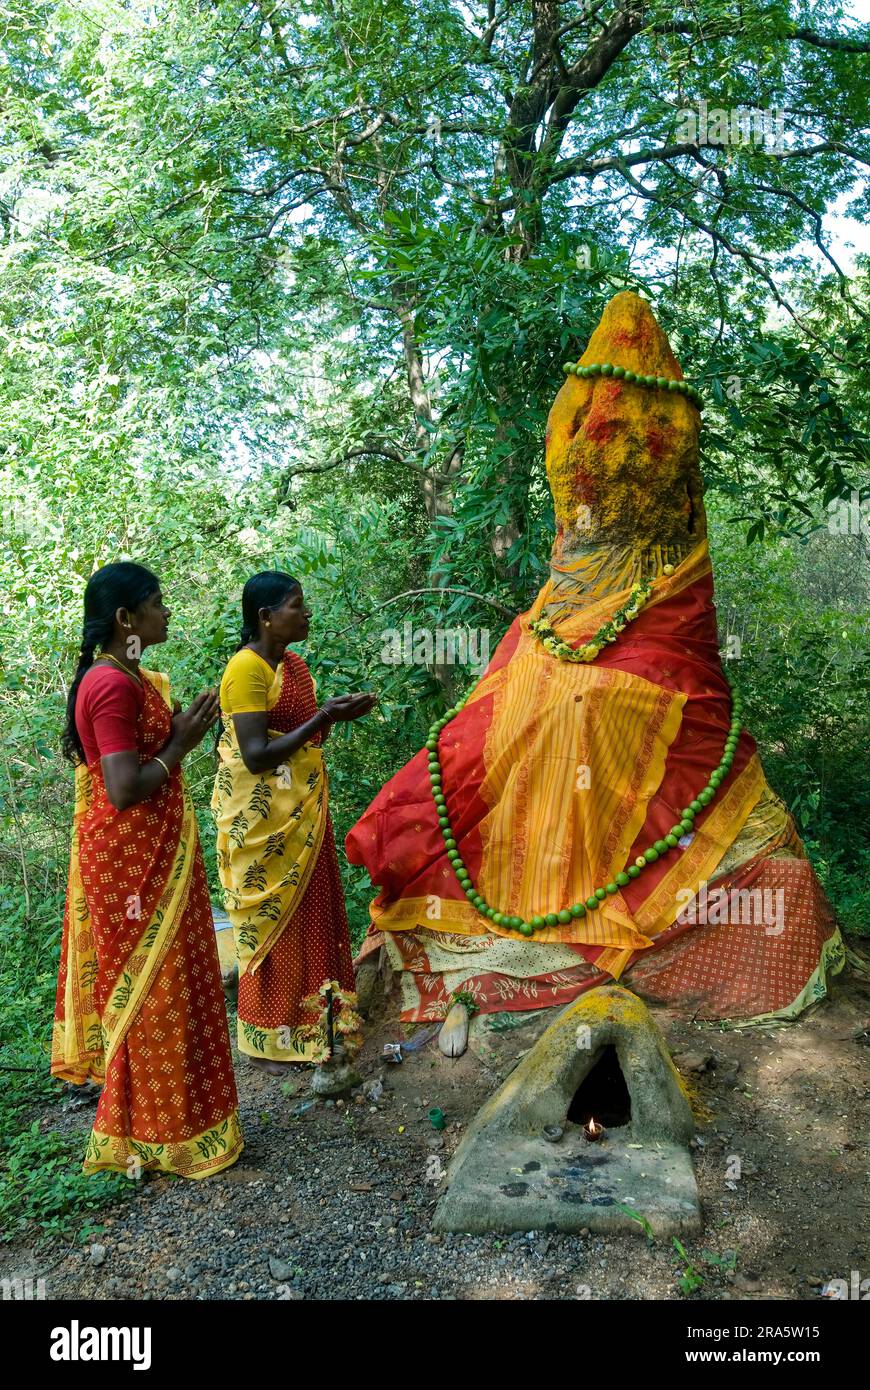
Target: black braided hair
(265,590)
(123,585)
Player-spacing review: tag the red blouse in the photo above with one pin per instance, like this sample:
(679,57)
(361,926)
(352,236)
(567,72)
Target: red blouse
(108,705)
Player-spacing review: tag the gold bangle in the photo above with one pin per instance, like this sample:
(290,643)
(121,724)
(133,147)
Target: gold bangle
(163,765)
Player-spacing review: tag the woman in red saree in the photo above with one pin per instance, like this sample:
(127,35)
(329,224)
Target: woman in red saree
(139,1005)
(275,846)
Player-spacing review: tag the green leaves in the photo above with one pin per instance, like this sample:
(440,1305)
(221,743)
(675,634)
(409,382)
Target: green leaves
(794,625)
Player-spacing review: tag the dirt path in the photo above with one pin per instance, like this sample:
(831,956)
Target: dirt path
(336,1202)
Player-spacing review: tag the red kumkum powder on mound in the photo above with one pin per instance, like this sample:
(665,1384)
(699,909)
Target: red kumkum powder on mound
(656,442)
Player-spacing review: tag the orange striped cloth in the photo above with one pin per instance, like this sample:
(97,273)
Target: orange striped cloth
(558,774)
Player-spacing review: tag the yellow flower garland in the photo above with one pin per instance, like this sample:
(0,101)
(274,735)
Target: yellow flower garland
(608,632)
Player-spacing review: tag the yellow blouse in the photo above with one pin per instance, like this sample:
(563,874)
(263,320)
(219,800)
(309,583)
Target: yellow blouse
(249,684)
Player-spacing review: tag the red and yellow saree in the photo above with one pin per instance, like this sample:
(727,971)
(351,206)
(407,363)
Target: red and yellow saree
(139,1005)
(279,871)
(557,776)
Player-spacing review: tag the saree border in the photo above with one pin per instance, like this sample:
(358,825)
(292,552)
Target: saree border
(77,1049)
(285,1043)
(206,1153)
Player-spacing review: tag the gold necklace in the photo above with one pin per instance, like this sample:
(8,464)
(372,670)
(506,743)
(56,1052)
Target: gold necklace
(107,656)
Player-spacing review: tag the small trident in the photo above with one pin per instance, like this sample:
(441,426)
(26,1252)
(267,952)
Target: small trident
(330,1031)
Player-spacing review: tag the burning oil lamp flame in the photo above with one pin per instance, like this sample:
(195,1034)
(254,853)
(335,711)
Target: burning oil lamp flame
(592,1130)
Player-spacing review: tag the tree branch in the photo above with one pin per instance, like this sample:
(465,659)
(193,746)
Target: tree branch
(364,451)
(411,593)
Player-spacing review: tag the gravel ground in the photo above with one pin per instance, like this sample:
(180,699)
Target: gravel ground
(336,1202)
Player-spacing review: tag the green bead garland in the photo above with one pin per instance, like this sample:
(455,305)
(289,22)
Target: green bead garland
(669,842)
(682,388)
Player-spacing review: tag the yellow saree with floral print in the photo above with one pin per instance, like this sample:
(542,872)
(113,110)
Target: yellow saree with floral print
(278,870)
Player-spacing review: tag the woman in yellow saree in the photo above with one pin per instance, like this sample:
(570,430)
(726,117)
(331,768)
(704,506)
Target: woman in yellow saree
(276,852)
(140,1006)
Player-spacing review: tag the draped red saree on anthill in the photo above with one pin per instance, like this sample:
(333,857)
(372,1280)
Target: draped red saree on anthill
(569,770)
(140,1006)
(645,723)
